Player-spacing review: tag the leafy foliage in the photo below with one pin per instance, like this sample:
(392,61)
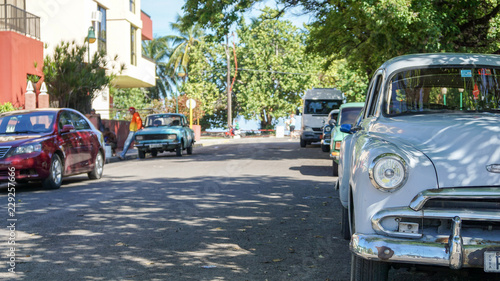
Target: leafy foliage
(207,82)
(274,69)
(125,98)
(7,107)
(366,33)
(159,50)
(70,80)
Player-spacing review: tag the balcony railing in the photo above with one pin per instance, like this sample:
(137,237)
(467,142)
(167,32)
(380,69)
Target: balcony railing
(14,19)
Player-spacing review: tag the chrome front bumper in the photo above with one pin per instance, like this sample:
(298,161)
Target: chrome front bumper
(456,250)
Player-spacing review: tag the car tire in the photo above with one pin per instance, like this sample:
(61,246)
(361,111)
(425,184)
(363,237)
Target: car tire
(368,270)
(335,169)
(154,153)
(302,143)
(179,149)
(96,173)
(189,150)
(141,154)
(325,148)
(346,231)
(54,180)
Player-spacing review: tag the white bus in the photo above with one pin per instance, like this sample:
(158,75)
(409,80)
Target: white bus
(318,102)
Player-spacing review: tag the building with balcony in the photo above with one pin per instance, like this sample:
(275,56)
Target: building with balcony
(119,25)
(21,51)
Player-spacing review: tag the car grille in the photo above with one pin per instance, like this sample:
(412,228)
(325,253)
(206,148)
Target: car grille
(155,137)
(318,129)
(4,150)
(471,205)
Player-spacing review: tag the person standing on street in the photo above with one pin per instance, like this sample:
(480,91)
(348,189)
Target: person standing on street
(135,125)
(292,125)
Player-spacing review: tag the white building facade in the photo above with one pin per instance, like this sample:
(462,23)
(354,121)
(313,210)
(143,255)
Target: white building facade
(120,27)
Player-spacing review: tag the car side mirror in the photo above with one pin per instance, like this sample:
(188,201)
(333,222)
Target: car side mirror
(346,128)
(332,122)
(67,128)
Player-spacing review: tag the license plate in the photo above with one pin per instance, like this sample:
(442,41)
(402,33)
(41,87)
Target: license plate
(492,261)
(155,145)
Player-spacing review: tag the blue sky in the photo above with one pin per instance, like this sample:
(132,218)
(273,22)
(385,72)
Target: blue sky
(164,12)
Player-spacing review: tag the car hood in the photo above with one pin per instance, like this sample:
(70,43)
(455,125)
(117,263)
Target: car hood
(14,140)
(462,147)
(159,130)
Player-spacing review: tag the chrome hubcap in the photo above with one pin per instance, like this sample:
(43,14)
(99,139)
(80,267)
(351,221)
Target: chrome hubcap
(57,171)
(99,163)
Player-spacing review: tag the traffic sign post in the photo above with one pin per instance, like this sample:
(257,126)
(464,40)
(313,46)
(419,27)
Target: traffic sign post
(191,103)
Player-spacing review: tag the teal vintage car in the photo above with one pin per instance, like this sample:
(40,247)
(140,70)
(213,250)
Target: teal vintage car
(348,112)
(165,132)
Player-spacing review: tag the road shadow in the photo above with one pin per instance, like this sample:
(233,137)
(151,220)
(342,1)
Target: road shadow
(213,228)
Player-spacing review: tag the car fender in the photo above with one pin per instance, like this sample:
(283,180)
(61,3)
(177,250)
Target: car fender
(344,168)
(367,199)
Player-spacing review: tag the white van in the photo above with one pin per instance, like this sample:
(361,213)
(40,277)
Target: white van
(318,102)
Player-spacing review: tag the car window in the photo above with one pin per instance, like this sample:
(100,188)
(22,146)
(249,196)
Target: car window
(79,122)
(349,115)
(27,123)
(374,95)
(163,120)
(64,119)
(320,106)
(434,90)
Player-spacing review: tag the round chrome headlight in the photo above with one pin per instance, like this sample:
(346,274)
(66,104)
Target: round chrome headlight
(328,129)
(388,172)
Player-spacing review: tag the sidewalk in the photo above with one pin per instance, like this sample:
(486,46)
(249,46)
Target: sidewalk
(132,152)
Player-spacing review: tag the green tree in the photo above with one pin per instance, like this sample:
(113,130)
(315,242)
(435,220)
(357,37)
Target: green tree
(351,82)
(125,98)
(159,50)
(183,44)
(207,82)
(70,80)
(368,32)
(275,70)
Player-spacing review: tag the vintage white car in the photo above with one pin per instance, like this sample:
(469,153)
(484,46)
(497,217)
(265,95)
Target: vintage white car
(419,174)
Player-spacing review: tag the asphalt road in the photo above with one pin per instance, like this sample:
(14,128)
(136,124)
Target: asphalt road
(249,209)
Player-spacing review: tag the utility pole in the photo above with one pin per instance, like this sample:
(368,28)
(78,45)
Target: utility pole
(228,85)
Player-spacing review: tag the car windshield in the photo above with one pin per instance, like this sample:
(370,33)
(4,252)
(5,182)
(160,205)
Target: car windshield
(349,115)
(163,120)
(27,123)
(320,106)
(435,90)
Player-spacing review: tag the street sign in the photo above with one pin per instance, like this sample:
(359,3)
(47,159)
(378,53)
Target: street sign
(191,103)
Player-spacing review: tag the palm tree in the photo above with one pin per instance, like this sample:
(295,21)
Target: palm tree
(159,50)
(178,63)
(182,44)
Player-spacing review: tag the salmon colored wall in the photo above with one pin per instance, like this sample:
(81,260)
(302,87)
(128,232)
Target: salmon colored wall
(17,56)
(147,27)
(119,127)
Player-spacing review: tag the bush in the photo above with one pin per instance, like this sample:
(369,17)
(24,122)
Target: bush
(6,107)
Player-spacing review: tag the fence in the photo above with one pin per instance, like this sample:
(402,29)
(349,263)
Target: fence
(14,19)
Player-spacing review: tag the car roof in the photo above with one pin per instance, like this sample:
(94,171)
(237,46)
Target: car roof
(439,59)
(352,104)
(171,114)
(25,111)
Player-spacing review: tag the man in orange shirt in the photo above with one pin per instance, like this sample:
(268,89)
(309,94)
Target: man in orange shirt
(135,125)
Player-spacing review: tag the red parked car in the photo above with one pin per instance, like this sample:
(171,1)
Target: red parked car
(48,144)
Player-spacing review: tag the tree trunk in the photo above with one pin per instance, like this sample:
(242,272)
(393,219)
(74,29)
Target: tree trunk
(263,123)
